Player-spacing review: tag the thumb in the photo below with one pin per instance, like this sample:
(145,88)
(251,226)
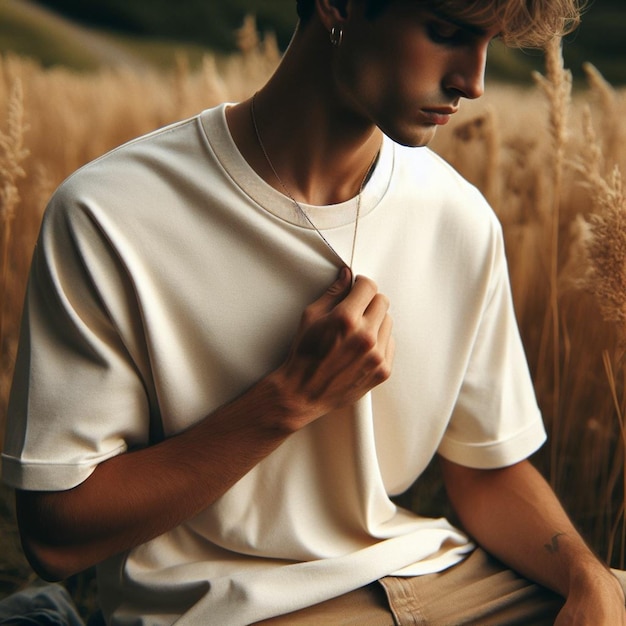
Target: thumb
(315,339)
(334,294)
(339,289)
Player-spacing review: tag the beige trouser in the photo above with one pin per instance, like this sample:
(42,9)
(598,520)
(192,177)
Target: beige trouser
(480,591)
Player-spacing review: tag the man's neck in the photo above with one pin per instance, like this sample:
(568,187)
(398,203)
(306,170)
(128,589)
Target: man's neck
(316,148)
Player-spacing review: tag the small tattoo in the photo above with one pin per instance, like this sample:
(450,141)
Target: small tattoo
(554,546)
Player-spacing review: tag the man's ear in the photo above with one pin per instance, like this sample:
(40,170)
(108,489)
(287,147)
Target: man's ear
(333,12)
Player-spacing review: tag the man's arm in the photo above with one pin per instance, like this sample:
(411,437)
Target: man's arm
(514,515)
(343,348)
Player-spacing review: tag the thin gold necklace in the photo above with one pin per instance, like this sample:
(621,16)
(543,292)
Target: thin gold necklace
(299,206)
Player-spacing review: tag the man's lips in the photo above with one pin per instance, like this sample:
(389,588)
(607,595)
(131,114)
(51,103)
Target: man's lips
(439,116)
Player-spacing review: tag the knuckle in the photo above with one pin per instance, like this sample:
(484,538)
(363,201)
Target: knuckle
(386,370)
(365,343)
(344,320)
(379,379)
(383,300)
(375,362)
(379,359)
(382,373)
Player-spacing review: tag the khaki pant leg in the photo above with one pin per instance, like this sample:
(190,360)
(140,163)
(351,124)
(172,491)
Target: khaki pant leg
(480,591)
(363,607)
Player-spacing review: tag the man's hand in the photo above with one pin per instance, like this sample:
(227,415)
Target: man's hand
(343,348)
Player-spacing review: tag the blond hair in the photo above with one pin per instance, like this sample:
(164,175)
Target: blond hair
(522,23)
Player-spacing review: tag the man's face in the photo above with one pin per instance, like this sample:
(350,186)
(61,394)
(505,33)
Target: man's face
(407,70)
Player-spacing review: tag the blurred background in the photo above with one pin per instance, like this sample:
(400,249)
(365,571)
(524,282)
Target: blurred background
(87,35)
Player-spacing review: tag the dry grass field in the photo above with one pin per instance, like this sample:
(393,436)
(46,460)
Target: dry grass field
(549,160)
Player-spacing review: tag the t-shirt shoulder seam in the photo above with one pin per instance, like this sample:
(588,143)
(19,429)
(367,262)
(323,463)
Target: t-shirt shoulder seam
(150,135)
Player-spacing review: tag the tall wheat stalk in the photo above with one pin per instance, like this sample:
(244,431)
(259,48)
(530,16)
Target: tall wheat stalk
(557,86)
(601,246)
(607,101)
(12,156)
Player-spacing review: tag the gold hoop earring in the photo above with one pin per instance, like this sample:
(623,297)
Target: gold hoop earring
(336,36)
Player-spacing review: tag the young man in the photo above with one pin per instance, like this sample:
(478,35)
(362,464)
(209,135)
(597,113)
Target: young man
(228,460)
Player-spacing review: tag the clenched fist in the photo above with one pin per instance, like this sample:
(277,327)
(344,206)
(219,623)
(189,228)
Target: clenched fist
(343,348)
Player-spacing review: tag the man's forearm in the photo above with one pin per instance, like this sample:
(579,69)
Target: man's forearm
(514,515)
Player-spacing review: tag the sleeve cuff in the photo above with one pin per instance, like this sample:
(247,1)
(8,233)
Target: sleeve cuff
(45,476)
(495,454)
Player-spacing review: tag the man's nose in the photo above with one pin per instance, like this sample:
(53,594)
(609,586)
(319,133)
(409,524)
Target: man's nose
(467,72)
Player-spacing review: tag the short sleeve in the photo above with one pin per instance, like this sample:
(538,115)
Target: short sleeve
(496,421)
(78,396)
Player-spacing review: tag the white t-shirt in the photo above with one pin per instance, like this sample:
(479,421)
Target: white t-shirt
(169,277)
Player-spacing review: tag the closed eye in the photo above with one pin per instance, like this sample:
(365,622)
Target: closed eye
(446,33)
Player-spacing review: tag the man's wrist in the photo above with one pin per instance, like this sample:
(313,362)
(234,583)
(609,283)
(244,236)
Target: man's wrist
(287,412)
(592,576)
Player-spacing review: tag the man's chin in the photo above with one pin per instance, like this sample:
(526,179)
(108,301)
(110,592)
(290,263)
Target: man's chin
(414,137)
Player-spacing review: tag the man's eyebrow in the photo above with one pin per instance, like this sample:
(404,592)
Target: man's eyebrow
(479,31)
